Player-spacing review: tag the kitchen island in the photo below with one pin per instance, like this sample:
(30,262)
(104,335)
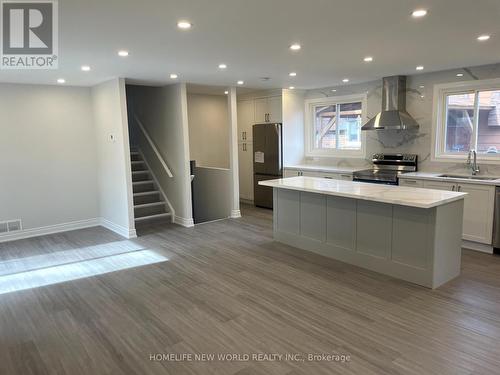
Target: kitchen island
(410,234)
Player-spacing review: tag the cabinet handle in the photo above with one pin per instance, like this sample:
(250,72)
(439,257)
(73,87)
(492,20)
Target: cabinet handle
(453,188)
(410,181)
(459,188)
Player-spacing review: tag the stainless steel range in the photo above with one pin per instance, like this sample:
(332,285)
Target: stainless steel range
(387,168)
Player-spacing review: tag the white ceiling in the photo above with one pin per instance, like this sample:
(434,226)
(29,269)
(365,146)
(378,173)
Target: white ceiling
(252,37)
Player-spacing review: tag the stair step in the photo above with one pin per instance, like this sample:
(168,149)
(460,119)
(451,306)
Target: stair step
(142,194)
(157,216)
(141,171)
(137,162)
(142,182)
(134,152)
(145,205)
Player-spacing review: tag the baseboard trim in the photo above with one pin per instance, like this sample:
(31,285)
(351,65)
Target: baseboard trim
(50,229)
(118,229)
(235,214)
(187,223)
(488,249)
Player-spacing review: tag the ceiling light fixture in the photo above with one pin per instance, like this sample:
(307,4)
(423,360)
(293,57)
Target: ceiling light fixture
(292,74)
(61,81)
(345,80)
(292,87)
(368,59)
(334,90)
(460,74)
(240,82)
(226,92)
(422,86)
(86,68)
(123,53)
(222,66)
(419,13)
(420,67)
(483,38)
(295,47)
(184,25)
(174,76)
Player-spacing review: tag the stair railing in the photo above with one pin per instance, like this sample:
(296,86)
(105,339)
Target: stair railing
(153,146)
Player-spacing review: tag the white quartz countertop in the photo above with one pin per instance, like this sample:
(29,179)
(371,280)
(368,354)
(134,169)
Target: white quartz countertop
(400,195)
(325,168)
(434,176)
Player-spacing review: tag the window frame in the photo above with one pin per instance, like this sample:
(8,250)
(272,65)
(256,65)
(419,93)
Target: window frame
(310,104)
(441,92)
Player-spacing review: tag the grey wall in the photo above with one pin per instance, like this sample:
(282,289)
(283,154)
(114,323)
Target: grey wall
(419,107)
(208,130)
(163,112)
(47,155)
(115,181)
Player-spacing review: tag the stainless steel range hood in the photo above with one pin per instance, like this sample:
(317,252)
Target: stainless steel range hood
(393,115)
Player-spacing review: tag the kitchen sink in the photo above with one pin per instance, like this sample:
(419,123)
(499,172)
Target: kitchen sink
(469,177)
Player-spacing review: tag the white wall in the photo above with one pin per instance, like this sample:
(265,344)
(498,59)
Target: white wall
(114,172)
(47,156)
(163,112)
(293,127)
(208,130)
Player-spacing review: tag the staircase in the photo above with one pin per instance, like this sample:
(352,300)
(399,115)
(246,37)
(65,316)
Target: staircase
(148,200)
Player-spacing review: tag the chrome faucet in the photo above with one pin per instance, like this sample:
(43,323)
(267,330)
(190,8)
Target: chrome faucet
(472,162)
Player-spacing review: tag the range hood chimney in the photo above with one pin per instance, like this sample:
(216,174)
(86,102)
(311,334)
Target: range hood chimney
(393,115)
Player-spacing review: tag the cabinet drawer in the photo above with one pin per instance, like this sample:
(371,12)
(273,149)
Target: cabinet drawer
(412,183)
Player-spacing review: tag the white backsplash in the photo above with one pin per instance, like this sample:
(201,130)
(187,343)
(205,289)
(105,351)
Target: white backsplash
(420,106)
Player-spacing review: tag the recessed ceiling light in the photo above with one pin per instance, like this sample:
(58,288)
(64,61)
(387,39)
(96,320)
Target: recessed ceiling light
(86,68)
(226,92)
(420,67)
(334,90)
(422,86)
(184,25)
(123,53)
(292,88)
(483,38)
(295,47)
(368,59)
(61,81)
(345,80)
(292,74)
(174,76)
(460,74)
(240,82)
(222,66)
(419,13)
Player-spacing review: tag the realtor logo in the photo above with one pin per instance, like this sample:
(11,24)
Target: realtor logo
(29,37)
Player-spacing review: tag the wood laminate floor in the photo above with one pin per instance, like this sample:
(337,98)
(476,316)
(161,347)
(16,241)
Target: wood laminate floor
(226,287)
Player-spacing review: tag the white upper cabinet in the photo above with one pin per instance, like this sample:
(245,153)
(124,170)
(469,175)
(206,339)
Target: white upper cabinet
(261,110)
(275,109)
(268,109)
(246,120)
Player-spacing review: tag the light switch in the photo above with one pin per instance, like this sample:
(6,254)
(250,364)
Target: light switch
(112,138)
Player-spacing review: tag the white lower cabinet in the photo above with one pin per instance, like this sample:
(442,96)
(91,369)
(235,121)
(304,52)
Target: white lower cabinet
(411,183)
(309,173)
(478,208)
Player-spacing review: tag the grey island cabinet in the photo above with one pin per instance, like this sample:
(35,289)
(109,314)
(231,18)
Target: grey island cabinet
(410,234)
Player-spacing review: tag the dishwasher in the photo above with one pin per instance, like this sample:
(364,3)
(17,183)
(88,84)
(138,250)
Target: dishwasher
(496,222)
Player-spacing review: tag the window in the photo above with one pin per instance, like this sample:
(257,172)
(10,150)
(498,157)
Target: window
(333,126)
(468,118)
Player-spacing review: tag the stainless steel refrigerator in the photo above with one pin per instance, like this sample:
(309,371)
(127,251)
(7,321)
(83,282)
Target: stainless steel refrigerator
(267,161)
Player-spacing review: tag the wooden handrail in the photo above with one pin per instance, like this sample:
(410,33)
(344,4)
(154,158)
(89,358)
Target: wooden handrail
(153,146)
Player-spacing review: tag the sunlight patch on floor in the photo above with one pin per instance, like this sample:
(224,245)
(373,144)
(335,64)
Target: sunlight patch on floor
(58,267)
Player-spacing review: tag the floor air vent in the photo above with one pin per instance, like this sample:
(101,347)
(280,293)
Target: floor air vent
(10,226)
